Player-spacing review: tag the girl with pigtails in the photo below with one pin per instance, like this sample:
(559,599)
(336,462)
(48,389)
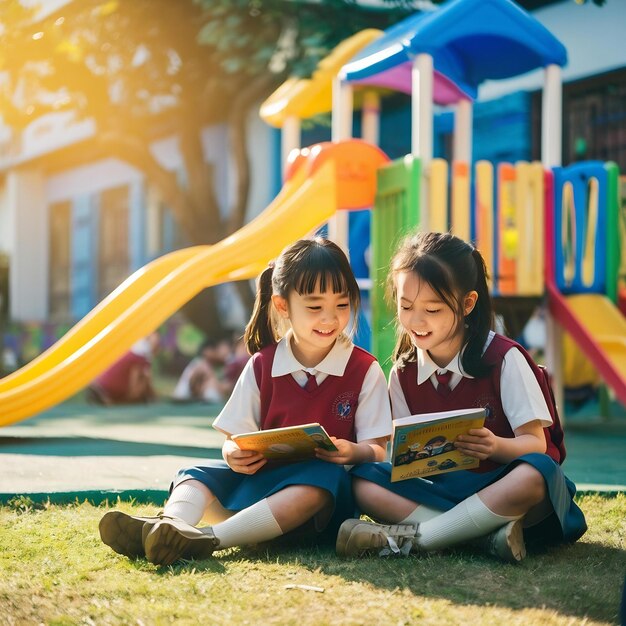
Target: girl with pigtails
(304,369)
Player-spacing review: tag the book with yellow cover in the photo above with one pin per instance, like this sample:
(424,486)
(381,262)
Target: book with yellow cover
(291,443)
(422,445)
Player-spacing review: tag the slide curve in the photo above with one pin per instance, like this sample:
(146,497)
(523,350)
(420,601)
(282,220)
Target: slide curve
(599,329)
(321,180)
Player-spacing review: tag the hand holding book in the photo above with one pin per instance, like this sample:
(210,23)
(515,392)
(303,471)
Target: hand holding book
(428,443)
(242,461)
(292,443)
(480,443)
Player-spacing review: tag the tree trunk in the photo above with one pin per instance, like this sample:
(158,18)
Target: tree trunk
(237,122)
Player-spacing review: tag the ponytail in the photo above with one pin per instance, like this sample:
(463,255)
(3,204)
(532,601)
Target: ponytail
(478,322)
(259,331)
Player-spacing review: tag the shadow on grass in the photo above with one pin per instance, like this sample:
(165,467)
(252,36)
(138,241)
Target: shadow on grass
(582,580)
(209,566)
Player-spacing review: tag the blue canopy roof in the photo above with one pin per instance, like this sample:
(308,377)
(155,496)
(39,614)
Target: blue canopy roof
(470,41)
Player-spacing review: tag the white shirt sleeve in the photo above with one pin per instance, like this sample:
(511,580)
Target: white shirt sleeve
(373,415)
(522,398)
(399,406)
(242,412)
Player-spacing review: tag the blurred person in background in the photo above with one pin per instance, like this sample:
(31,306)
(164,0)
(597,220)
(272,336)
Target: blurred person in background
(203,379)
(128,380)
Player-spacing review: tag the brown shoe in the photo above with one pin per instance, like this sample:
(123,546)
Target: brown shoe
(122,532)
(171,540)
(358,538)
(507,543)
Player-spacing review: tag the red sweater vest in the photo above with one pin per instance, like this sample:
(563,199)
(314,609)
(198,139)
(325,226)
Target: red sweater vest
(472,392)
(333,404)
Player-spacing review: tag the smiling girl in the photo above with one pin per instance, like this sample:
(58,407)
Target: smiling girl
(304,369)
(448,358)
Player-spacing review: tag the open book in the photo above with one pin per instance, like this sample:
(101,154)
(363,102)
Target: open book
(422,445)
(291,443)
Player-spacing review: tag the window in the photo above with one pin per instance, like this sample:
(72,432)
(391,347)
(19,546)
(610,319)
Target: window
(113,260)
(594,119)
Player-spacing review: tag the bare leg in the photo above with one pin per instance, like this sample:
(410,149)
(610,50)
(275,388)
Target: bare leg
(515,494)
(380,503)
(297,504)
(269,518)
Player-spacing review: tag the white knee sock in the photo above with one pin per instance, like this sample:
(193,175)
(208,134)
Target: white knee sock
(467,520)
(186,502)
(252,525)
(420,515)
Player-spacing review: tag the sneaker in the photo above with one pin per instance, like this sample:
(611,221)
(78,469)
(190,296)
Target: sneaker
(357,538)
(507,543)
(122,532)
(172,539)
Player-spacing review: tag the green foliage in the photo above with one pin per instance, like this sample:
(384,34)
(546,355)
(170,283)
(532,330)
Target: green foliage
(295,35)
(137,61)
(24,504)
(55,570)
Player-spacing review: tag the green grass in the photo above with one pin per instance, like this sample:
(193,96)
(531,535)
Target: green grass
(54,570)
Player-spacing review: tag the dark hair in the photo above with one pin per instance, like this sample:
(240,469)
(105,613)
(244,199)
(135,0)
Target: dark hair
(300,267)
(452,268)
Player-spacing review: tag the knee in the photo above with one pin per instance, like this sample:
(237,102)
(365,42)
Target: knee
(196,484)
(316,498)
(532,484)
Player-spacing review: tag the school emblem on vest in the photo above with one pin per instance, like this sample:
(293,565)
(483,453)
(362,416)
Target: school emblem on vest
(344,404)
(486,402)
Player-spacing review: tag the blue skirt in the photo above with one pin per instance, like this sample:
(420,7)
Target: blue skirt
(444,491)
(236,491)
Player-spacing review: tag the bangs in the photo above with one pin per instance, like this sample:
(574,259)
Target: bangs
(437,275)
(322,267)
(327,279)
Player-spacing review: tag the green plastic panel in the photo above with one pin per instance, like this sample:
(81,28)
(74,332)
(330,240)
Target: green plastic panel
(396,213)
(613,231)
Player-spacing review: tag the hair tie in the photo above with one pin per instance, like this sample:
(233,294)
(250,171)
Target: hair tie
(271,265)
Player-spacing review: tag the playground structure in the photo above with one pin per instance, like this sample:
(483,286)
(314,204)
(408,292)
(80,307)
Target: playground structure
(543,229)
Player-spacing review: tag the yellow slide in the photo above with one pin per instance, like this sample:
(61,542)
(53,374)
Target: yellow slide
(601,334)
(153,294)
(123,297)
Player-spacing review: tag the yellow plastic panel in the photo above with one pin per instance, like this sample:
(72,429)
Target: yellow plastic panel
(461,200)
(529,211)
(438,196)
(484,213)
(306,97)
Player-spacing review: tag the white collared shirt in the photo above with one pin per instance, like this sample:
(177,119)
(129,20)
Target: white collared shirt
(241,414)
(522,399)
